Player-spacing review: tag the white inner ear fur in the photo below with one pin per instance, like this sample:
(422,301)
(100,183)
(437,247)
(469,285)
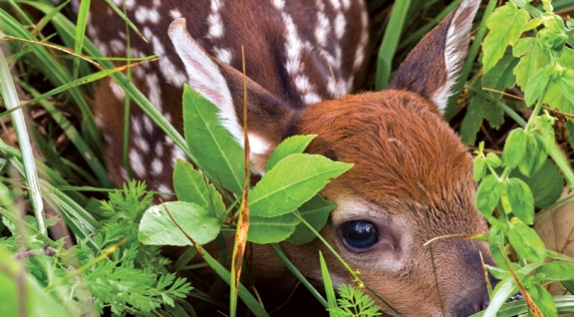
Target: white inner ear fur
(205,77)
(456,48)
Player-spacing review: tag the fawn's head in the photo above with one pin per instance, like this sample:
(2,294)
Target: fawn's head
(411,181)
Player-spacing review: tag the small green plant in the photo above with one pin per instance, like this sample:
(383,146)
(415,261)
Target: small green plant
(541,64)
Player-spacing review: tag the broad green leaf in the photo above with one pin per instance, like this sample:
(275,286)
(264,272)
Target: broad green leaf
(546,184)
(556,99)
(488,194)
(479,168)
(532,57)
(526,242)
(567,58)
(271,229)
(496,243)
(544,301)
(479,108)
(570,127)
(503,290)
(493,160)
(514,148)
(537,84)
(293,181)
(505,25)
(565,84)
(557,271)
(157,228)
(534,156)
(316,212)
(217,152)
(501,76)
(190,186)
(520,199)
(292,145)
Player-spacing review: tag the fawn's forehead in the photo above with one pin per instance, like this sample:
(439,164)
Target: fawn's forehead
(400,147)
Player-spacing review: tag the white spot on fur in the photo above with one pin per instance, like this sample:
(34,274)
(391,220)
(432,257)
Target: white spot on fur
(154,94)
(117,90)
(156,167)
(346,4)
(223,55)
(158,48)
(136,163)
(340,24)
(136,124)
(172,75)
(142,144)
(311,98)
(117,46)
(129,4)
(165,188)
(175,14)
(123,174)
(455,50)
(147,124)
(360,52)
(322,29)
(214,20)
(293,45)
(177,153)
(279,4)
(144,14)
(159,149)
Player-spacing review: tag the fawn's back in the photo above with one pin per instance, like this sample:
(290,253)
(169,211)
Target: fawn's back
(412,177)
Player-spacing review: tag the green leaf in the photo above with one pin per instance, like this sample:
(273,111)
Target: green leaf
(500,294)
(190,186)
(533,57)
(316,212)
(479,168)
(293,181)
(537,84)
(217,152)
(565,84)
(488,195)
(557,271)
(157,228)
(329,291)
(514,148)
(520,199)
(534,156)
(544,301)
(479,108)
(570,127)
(526,242)
(501,76)
(546,184)
(292,145)
(271,229)
(496,241)
(493,160)
(505,24)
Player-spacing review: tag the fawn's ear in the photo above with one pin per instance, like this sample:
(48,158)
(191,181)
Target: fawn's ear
(268,118)
(433,66)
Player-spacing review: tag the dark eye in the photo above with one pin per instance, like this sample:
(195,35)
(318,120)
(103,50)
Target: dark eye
(360,234)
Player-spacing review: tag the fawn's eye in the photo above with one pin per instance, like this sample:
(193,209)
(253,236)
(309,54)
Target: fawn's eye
(359,234)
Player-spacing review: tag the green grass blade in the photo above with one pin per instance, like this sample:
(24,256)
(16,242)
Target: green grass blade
(73,134)
(10,96)
(331,298)
(81,24)
(390,41)
(50,67)
(291,267)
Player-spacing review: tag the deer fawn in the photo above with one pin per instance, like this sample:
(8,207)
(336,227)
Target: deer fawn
(412,177)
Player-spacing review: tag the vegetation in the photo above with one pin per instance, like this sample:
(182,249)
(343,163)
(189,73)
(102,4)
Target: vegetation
(113,266)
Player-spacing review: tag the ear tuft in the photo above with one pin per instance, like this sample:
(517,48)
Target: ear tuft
(433,66)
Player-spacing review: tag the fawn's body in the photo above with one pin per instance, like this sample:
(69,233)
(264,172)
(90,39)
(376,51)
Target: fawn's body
(412,178)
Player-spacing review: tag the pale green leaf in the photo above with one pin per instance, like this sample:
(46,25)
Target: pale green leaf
(293,181)
(291,145)
(316,212)
(271,229)
(157,228)
(505,25)
(189,185)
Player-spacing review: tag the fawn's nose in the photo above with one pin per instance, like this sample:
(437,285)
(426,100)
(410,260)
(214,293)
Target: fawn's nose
(475,300)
